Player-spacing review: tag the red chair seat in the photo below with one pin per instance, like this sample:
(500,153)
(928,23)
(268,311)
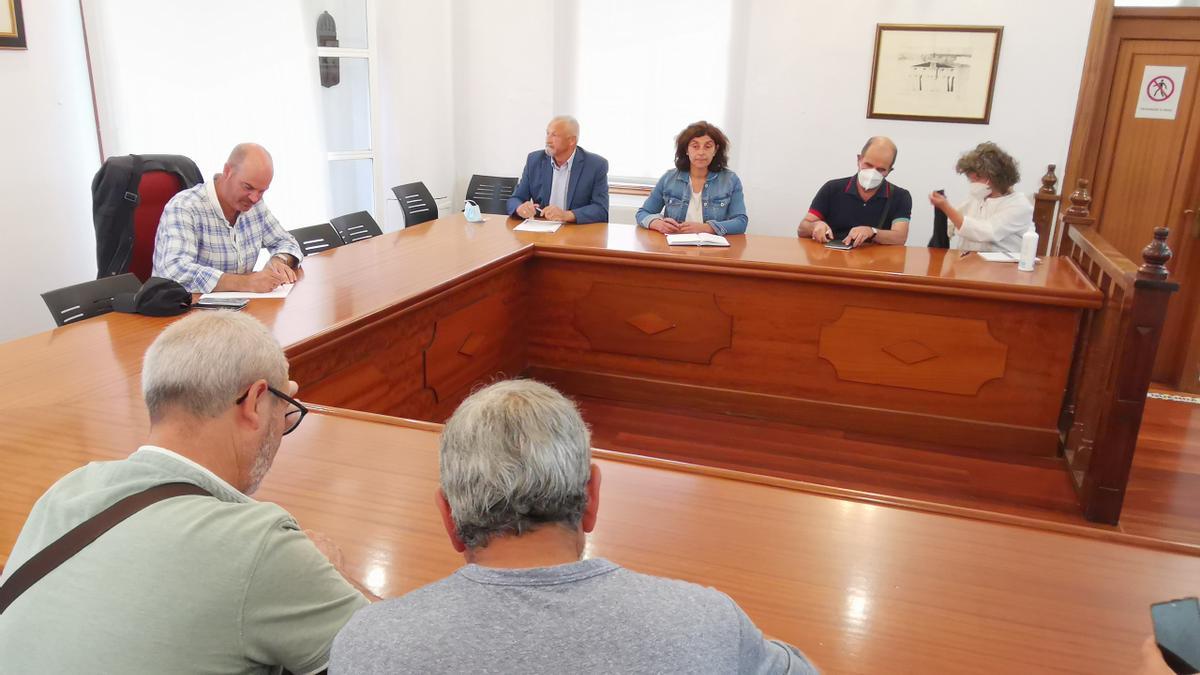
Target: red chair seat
(154,191)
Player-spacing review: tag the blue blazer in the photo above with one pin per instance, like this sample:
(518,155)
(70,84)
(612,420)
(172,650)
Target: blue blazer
(587,189)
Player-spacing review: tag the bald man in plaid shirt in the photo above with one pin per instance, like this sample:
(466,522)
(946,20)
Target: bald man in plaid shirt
(209,236)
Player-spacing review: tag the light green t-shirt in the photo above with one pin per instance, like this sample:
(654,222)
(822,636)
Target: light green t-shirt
(191,584)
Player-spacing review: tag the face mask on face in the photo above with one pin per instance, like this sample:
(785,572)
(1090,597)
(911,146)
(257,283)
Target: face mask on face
(869,179)
(979,190)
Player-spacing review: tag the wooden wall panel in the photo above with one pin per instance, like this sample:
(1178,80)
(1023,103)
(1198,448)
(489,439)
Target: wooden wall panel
(466,345)
(662,323)
(913,351)
(776,344)
(381,366)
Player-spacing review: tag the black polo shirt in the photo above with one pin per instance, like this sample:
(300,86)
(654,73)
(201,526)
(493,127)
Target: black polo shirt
(838,203)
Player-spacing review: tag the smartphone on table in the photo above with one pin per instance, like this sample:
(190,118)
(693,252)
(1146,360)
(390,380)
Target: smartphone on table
(1177,632)
(220,303)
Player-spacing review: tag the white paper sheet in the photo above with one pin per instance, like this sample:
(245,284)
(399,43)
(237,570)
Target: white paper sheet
(538,226)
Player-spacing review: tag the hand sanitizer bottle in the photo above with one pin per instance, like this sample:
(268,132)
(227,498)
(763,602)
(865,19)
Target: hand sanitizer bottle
(1029,244)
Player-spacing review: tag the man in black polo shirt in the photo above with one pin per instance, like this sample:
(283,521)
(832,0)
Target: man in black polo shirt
(864,207)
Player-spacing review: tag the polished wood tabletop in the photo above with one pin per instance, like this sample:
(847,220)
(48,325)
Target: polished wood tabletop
(859,586)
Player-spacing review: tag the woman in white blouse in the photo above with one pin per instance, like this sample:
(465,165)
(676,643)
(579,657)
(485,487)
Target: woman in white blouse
(993,217)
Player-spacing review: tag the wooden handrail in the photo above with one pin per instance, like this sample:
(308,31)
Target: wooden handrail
(1113,358)
(1096,248)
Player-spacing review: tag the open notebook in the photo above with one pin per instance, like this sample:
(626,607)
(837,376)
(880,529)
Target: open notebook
(697,239)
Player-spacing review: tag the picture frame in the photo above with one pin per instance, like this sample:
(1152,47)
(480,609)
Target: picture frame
(12,25)
(934,73)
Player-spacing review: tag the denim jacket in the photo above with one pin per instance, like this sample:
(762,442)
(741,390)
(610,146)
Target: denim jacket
(724,204)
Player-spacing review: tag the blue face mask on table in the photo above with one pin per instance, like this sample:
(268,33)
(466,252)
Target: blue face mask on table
(471,211)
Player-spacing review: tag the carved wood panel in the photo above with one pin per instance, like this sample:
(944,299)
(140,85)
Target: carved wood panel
(659,323)
(911,350)
(381,367)
(465,346)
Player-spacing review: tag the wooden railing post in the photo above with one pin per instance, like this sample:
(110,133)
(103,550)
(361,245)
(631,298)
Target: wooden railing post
(1045,200)
(1102,491)
(1078,213)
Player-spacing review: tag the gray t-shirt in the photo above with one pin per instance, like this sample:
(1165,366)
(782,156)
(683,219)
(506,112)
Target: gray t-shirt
(591,616)
(191,584)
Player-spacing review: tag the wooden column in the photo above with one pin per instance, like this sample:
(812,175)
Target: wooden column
(1045,201)
(1078,213)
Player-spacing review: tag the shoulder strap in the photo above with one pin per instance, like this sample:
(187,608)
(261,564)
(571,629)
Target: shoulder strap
(49,558)
(887,200)
(123,214)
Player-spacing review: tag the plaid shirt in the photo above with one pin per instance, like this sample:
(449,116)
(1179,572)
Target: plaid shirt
(195,245)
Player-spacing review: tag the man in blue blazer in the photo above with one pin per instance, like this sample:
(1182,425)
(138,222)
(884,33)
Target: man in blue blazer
(563,182)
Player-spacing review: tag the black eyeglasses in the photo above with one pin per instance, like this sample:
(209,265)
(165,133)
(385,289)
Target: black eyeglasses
(293,418)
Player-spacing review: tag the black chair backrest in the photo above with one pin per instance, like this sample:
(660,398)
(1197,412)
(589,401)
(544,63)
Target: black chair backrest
(491,193)
(416,203)
(317,238)
(356,226)
(91,298)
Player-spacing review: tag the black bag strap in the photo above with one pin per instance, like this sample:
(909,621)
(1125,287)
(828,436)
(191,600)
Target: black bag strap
(124,214)
(887,199)
(57,553)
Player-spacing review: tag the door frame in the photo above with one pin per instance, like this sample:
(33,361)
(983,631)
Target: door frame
(1095,89)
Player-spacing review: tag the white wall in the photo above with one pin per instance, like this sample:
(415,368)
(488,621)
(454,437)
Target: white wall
(46,166)
(807,71)
(417,104)
(799,74)
(505,85)
(198,78)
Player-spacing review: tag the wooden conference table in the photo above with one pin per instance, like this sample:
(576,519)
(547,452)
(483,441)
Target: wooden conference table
(859,586)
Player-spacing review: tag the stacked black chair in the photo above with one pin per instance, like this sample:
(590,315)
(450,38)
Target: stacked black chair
(491,193)
(416,203)
(317,238)
(356,226)
(91,298)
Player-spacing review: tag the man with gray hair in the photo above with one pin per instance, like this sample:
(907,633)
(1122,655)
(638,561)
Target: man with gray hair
(518,495)
(208,580)
(563,182)
(209,236)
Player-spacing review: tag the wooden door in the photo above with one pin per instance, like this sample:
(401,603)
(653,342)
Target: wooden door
(1146,174)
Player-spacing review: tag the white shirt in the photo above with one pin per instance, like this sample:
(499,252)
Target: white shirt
(993,223)
(560,182)
(695,212)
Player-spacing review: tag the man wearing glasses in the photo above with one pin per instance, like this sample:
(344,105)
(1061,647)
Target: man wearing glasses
(212,581)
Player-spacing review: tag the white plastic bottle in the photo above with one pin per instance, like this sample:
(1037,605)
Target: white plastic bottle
(1029,244)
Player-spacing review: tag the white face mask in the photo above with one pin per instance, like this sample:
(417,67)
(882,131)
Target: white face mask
(471,212)
(869,179)
(979,190)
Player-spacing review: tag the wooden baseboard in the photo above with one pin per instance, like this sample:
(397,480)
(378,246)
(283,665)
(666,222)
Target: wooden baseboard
(1004,439)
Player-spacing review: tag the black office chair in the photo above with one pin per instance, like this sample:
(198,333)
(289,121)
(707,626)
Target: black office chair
(91,298)
(317,238)
(491,193)
(416,203)
(354,227)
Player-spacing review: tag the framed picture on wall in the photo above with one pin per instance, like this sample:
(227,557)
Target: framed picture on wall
(934,73)
(12,25)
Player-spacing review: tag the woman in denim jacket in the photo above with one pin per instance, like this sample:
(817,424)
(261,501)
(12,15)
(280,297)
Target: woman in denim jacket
(699,194)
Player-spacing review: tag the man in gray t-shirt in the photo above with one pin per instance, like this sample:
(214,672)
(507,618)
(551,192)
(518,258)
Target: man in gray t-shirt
(518,495)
